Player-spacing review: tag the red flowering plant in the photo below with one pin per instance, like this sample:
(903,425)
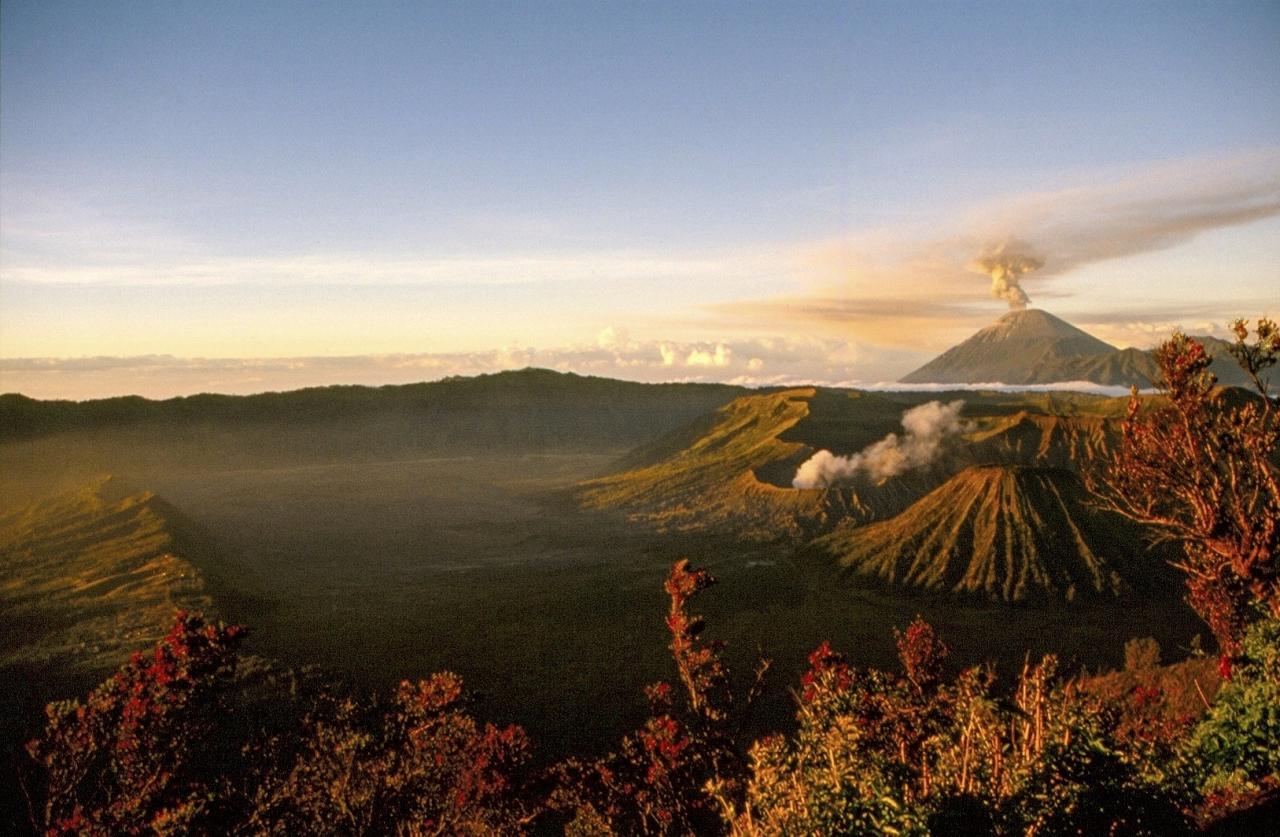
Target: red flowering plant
(1199,468)
(420,765)
(142,752)
(684,770)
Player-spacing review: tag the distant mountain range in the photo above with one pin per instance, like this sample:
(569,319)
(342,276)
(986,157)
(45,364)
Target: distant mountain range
(998,513)
(1035,347)
(525,409)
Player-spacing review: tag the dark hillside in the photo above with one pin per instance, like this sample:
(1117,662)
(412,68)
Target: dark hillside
(51,445)
(532,407)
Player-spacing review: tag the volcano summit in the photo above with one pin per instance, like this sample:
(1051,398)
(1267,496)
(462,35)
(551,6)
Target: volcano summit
(1030,346)
(1027,346)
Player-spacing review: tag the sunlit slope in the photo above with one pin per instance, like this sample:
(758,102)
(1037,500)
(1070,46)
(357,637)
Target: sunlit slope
(1034,438)
(1004,533)
(708,478)
(90,576)
(1022,347)
(732,470)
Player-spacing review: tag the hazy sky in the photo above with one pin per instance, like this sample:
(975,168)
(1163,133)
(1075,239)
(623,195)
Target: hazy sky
(757,192)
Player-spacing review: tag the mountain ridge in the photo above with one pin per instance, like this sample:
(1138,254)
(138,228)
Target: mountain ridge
(89,575)
(1032,346)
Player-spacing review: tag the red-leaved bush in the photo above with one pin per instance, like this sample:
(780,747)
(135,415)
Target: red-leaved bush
(684,771)
(141,752)
(423,765)
(1199,468)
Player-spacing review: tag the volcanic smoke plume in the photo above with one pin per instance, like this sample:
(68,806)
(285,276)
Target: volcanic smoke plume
(1004,264)
(927,426)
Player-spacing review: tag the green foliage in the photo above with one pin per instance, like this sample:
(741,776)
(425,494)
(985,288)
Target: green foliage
(1084,784)
(878,753)
(1237,745)
(823,782)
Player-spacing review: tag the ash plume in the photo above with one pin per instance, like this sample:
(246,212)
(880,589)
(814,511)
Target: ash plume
(1005,264)
(927,427)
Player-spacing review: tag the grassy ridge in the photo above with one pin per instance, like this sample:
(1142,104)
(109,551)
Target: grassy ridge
(90,576)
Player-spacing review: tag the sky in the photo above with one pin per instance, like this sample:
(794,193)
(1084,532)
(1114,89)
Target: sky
(237,197)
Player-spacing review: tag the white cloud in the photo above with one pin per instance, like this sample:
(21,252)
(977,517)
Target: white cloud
(613,338)
(706,357)
(613,354)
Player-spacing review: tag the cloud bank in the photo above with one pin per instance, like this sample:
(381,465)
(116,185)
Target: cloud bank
(890,286)
(748,362)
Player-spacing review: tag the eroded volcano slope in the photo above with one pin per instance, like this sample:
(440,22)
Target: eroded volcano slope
(732,470)
(1007,533)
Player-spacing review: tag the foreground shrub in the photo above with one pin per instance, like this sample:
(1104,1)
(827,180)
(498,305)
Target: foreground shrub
(684,771)
(878,753)
(157,749)
(144,751)
(421,766)
(1199,468)
(1235,750)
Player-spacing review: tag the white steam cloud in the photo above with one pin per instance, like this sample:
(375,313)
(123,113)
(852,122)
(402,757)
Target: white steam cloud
(1005,264)
(926,426)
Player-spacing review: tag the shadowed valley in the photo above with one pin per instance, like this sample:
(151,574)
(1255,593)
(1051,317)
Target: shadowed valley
(516,529)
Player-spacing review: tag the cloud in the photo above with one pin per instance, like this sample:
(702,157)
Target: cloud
(704,357)
(360,269)
(613,338)
(898,286)
(613,354)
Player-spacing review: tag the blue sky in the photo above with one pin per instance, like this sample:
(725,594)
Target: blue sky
(275,179)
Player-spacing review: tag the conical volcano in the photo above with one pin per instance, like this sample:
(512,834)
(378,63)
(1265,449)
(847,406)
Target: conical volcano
(1007,534)
(1022,347)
